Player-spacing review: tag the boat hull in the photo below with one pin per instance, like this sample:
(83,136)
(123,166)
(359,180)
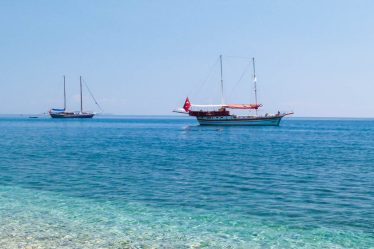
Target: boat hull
(240,121)
(78,115)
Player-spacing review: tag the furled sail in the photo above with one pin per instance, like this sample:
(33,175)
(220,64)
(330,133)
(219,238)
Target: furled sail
(57,110)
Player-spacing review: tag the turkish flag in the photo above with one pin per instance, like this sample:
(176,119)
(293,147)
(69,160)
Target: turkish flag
(187,105)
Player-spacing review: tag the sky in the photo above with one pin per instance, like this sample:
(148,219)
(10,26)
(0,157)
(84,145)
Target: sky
(315,57)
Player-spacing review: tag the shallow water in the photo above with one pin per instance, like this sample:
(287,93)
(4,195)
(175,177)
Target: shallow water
(162,182)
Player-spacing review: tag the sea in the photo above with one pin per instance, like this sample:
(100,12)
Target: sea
(166,182)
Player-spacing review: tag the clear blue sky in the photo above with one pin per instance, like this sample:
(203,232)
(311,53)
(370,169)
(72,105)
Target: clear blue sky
(143,57)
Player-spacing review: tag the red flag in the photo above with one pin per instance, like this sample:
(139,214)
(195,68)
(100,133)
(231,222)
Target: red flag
(187,105)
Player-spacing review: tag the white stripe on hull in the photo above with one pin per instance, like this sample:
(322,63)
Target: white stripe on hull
(263,121)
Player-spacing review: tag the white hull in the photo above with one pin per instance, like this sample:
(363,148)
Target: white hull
(242,121)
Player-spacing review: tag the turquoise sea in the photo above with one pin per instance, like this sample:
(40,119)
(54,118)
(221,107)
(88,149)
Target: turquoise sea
(165,182)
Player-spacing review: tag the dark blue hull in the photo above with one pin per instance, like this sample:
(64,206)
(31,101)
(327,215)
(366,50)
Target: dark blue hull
(72,115)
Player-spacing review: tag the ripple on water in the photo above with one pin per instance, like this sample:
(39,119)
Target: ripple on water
(153,182)
(41,219)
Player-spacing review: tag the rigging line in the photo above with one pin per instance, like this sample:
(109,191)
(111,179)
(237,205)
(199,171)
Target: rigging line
(246,69)
(92,96)
(206,79)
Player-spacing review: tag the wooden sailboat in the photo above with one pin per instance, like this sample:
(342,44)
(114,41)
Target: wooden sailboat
(220,114)
(62,113)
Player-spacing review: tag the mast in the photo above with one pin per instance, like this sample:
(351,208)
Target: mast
(222,100)
(255,81)
(64,95)
(80,81)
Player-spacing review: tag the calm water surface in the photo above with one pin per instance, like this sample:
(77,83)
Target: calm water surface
(162,182)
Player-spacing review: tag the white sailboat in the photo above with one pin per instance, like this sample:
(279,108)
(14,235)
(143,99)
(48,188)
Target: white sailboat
(220,114)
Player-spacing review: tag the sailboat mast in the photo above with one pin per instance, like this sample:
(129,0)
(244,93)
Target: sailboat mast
(255,80)
(80,81)
(64,95)
(222,99)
